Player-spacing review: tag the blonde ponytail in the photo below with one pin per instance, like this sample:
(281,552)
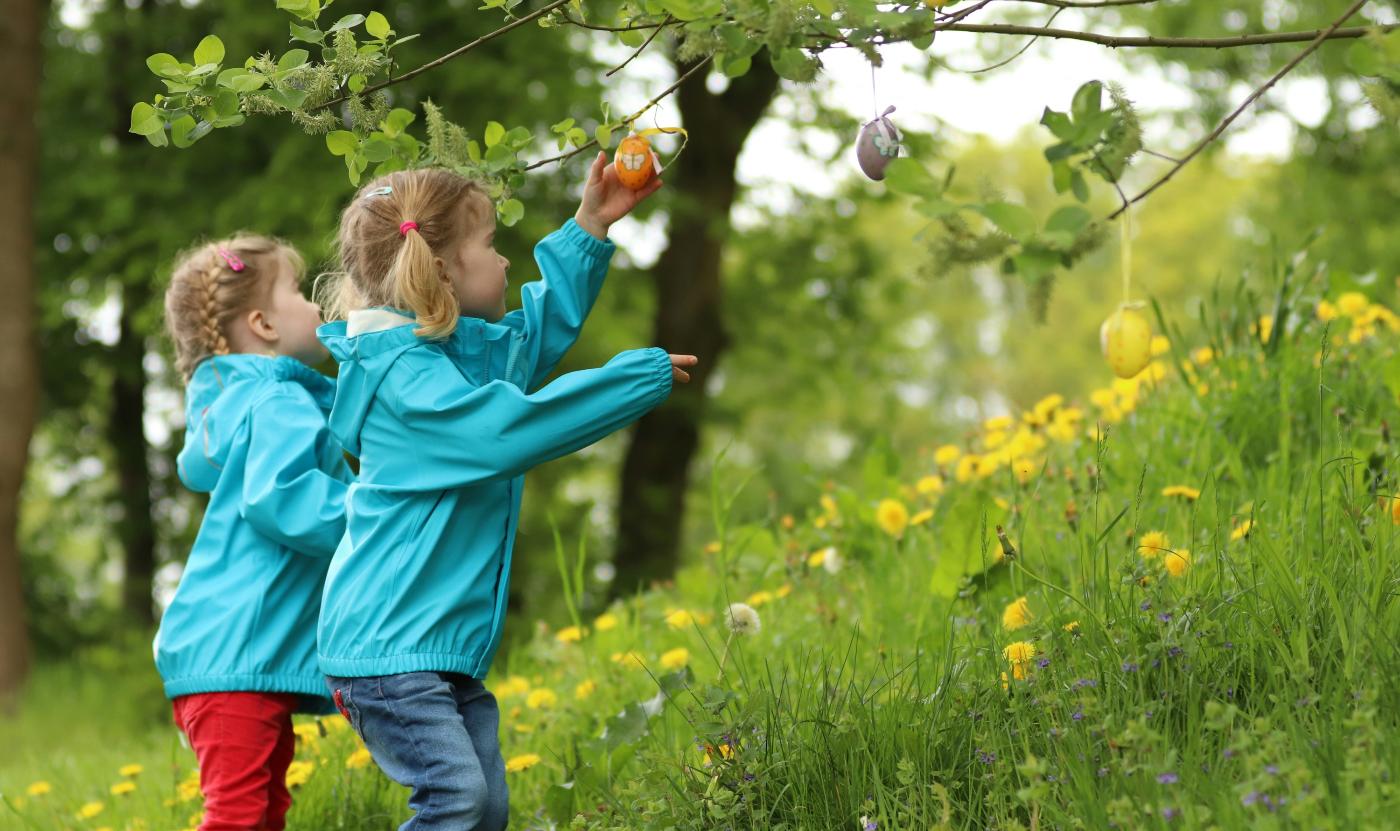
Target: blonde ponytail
(390,236)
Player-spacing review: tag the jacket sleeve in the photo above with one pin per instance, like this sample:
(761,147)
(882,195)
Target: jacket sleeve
(573,264)
(287,496)
(460,435)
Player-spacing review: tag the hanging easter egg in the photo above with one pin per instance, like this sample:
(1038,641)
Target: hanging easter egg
(636,162)
(1126,340)
(877,145)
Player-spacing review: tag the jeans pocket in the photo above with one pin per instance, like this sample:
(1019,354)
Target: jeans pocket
(342,693)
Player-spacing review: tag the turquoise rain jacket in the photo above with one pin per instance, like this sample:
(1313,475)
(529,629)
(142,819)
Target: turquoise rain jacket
(445,430)
(244,615)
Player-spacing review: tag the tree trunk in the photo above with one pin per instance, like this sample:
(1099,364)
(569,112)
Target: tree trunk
(126,434)
(651,506)
(20,23)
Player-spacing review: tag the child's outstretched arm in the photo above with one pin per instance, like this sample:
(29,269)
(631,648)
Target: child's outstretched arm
(462,435)
(287,496)
(573,262)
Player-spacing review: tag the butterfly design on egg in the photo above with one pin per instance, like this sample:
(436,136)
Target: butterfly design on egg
(636,163)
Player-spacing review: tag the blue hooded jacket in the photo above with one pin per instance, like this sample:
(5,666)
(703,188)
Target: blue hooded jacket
(445,431)
(243,618)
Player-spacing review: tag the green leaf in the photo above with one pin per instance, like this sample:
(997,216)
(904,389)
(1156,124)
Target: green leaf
(474,151)
(342,142)
(1079,186)
(1015,220)
(400,41)
(240,80)
(906,175)
(682,9)
(793,65)
(510,212)
(824,7)
(737,67)
(356,83)
(290,98)
(561,126)
(935,207)
(1070,219)
(308,34)
(1088,101)
(1364,59)
(180,130)
(158,138)
(349,21)
(1058,123)
(163,64)
(377,25)
(292,59)
(518,137)
(304,9)
(632,38)
(209,50)
(226,103)
(626,727)
(377,149)
(499,157)
(396,121)
(1060,175)
(603,135)
(145,119)
(494,133)
(577,136)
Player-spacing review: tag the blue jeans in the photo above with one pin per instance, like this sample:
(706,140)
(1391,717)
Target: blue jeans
(437,733)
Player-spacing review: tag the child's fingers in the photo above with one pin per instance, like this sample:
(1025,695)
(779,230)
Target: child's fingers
(684,360)
(680,375)
(599,164)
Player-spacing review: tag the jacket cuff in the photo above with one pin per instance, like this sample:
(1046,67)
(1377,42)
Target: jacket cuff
(572,232)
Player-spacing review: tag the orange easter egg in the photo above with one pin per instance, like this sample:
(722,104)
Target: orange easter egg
(635,161)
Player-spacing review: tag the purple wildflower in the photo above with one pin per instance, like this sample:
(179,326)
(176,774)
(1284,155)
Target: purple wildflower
(1078,715)
(1168,778)
(1085,682)
(1129,666)
(1043,663)
(1146,604)
(985,757)
(1169,813)
(1165,617)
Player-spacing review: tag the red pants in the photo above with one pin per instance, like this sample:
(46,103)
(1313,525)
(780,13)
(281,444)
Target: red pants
(244,743)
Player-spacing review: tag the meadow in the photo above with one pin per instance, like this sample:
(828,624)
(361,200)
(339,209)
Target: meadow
(1171,605)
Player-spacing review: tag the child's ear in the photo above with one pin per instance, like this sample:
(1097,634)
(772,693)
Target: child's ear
(262,327)
(442,274)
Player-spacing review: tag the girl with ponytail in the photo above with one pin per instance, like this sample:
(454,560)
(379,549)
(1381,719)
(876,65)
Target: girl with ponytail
(441,395)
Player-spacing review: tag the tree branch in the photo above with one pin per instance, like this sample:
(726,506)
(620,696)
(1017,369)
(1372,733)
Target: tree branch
(1229,119)
(628,120)
(455,53)
(640,49)
(1151,41)
(1088,4)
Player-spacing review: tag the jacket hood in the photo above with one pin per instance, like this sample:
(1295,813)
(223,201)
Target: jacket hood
(218,400)
(367,344)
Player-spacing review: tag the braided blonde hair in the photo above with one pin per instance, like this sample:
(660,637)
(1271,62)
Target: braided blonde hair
(206,294)
(382,266)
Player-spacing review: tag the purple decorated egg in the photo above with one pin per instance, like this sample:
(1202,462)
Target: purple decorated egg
(877,145)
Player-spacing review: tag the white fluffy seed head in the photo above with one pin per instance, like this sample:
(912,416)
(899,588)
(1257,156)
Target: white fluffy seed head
(743,619)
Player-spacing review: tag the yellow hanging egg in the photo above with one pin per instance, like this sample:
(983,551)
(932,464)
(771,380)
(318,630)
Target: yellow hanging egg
(635,161)
(1126,340)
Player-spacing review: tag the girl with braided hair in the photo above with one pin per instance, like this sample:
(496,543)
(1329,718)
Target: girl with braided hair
(236,647)
(442,396)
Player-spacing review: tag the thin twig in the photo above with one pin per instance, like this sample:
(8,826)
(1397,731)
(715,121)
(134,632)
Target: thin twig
(595,27)
(641,48)
(1122,41)
(1254,96)
(562,157)
(1160,155)
(455,53)
(1019,52)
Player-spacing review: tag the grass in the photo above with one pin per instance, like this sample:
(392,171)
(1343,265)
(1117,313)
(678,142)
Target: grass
(1237,674)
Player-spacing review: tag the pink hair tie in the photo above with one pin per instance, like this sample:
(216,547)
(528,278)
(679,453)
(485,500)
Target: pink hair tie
(406,227)
(234,263)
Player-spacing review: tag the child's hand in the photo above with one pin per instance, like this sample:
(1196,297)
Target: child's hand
(678,361)
(606,200)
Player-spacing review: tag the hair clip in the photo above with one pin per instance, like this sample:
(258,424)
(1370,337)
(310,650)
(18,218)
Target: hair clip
(384,191)
(410,225)
(234,263)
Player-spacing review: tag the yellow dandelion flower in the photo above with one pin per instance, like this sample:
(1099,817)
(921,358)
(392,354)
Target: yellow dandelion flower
(1072,627)
(569,634)
(122,788)
(1159,345)
(997,424)
(784,590)
(628,659)
(541,699)
(39,789)
(921,517)
(1186,492)
(1177,562)
(892,517)
(1326,311)
(188,790)
(512,686)
(359,759)
(1025,469)
(967,468)
(299,772)
(335,723)
(828,505)
(308,733)
(679,619)
(130,770)
(604,622)
(523,728)
(90,810)
(1005,685)
(1203,356)
(930,486)
(994,439)
(1265,328)
(759,598)
(675,658)
(946,455)
(524,761)
(712,547)
(816,558)
(1352,303)
(584,689)
(1020,652)
(1152,544)
(1017,614)
(1242,530)
(788,522)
